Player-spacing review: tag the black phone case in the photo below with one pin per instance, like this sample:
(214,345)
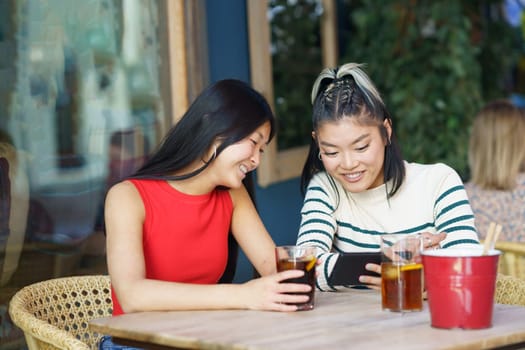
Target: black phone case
(350,266)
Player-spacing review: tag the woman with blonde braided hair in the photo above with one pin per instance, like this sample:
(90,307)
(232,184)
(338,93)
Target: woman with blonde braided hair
(357,186)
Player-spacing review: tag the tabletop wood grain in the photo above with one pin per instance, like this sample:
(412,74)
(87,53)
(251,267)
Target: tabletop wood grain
(340,320)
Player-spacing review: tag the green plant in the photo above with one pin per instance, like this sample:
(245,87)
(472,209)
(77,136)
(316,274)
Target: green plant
(297,59)
(436,63)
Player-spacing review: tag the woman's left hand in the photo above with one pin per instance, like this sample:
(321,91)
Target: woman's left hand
(373,282)
(431,241)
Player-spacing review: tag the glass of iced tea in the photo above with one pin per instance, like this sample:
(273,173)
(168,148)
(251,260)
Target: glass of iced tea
(401,273)
(299,258)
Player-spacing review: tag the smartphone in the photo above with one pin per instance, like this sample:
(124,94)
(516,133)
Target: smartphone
(350,266)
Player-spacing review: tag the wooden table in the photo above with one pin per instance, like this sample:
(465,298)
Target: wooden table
(341,320)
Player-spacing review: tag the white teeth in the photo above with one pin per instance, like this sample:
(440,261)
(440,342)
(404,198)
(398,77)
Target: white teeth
(354,175)
(244,169)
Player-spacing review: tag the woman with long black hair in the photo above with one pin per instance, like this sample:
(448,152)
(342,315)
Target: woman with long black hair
(167,224)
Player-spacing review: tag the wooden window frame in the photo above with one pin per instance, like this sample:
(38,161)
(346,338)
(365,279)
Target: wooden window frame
(186,52)
(280,165)
(175,89)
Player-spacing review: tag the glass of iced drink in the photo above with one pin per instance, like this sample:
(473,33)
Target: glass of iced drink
(299,258)
(401,273)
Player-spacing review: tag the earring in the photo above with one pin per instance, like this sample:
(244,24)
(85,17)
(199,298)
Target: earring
(320,156)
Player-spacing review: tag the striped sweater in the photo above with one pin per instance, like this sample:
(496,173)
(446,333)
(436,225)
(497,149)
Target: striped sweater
(431,199)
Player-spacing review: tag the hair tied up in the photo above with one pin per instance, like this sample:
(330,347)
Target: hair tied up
(325,78)
(343,74)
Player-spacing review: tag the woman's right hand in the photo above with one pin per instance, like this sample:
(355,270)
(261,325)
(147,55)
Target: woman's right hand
(272,293)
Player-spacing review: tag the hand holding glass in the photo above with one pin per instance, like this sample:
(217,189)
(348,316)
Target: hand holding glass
(299,258)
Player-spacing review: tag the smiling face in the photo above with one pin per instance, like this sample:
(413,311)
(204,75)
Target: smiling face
(353,153)
(235,161)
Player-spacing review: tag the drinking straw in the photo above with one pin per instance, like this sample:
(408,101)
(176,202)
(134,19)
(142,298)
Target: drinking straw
(489,238)
(492,237)
(496,235)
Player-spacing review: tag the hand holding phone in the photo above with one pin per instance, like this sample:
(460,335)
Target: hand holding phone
(349,266)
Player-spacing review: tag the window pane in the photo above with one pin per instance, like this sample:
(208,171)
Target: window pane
(297,60)
(84,110)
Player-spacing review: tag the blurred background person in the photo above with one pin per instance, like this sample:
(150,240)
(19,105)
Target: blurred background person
(496,188)
(14,206)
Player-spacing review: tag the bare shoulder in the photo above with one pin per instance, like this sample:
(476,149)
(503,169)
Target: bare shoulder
(124,195)
(121,190)
(239,196)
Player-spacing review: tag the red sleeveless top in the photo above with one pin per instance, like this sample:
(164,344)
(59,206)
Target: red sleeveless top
(185,237)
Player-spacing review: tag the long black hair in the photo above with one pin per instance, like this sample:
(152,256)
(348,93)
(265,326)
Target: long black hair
(228,110)
(348,92)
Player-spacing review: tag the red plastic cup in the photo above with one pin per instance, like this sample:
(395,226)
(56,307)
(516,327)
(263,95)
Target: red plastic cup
(460,285)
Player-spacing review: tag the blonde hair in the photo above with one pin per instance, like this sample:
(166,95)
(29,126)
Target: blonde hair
(348,69)
(496,147)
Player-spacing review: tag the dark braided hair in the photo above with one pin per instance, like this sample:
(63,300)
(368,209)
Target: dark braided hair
(347,92)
